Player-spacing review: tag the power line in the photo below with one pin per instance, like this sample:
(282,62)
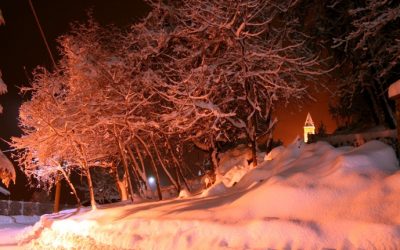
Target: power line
(42,34)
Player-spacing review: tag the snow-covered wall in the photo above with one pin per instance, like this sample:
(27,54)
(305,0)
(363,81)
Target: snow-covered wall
(387,136)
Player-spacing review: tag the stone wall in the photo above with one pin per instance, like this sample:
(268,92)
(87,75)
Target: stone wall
(9,207)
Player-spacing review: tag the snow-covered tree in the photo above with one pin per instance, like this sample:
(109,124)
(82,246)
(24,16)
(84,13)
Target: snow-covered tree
(88,113)
(189,73)
(370,40)
(225,64)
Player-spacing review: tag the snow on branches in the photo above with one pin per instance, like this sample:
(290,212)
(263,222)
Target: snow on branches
(225,64)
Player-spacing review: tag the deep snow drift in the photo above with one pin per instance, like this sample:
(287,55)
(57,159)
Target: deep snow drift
(303,196)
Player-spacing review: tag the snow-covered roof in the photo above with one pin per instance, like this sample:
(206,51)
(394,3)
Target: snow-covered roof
(394,89)
(309,122)
(4,191)
(7,171)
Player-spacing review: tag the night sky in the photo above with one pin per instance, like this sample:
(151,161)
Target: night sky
(22,47)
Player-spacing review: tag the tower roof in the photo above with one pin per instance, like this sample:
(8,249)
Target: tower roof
(309,122)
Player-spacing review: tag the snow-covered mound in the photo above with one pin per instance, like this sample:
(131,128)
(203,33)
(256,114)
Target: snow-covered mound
(303,197)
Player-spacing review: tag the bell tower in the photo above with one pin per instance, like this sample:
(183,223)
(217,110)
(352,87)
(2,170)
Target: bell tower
(309,127)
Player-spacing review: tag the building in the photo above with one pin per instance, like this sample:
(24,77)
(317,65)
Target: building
(309,127)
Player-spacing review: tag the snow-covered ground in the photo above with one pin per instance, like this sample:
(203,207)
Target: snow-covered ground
(301,197)
(12,227)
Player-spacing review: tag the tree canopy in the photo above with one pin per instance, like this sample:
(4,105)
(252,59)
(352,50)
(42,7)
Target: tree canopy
(190,72)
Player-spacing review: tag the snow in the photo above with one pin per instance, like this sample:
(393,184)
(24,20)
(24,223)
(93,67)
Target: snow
(304,196)
(394,89)
(11,227)
(4,191)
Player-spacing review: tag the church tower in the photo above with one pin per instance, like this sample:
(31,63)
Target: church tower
(309,127)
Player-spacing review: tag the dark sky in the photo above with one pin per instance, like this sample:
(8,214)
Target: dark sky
(21,46)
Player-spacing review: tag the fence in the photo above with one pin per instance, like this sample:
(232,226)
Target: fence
(9,207)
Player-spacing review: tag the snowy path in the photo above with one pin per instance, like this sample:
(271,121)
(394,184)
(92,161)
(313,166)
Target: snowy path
(13,226)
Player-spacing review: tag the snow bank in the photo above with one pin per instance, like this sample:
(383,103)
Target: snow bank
(306,196)
(11,227)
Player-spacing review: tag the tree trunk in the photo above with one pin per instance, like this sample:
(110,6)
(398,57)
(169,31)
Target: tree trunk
(116,179)
(214,162)
(153,164)
(171,179)
(136,170)
(78,201)
(377,111)
(121,185)
(143,171)
(126,169)
(136,177)
(140,158)
(254,127)
(254,152)
(398,123)
(183,178)
(90,185)
(57,195)
(177,166)
(254,141)
(388,109)
(390,112)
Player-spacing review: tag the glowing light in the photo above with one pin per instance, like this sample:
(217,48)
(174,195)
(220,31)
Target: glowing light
(152,180)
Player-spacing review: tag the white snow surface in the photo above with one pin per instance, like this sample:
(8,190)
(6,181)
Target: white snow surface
(11,227)
(305,196)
